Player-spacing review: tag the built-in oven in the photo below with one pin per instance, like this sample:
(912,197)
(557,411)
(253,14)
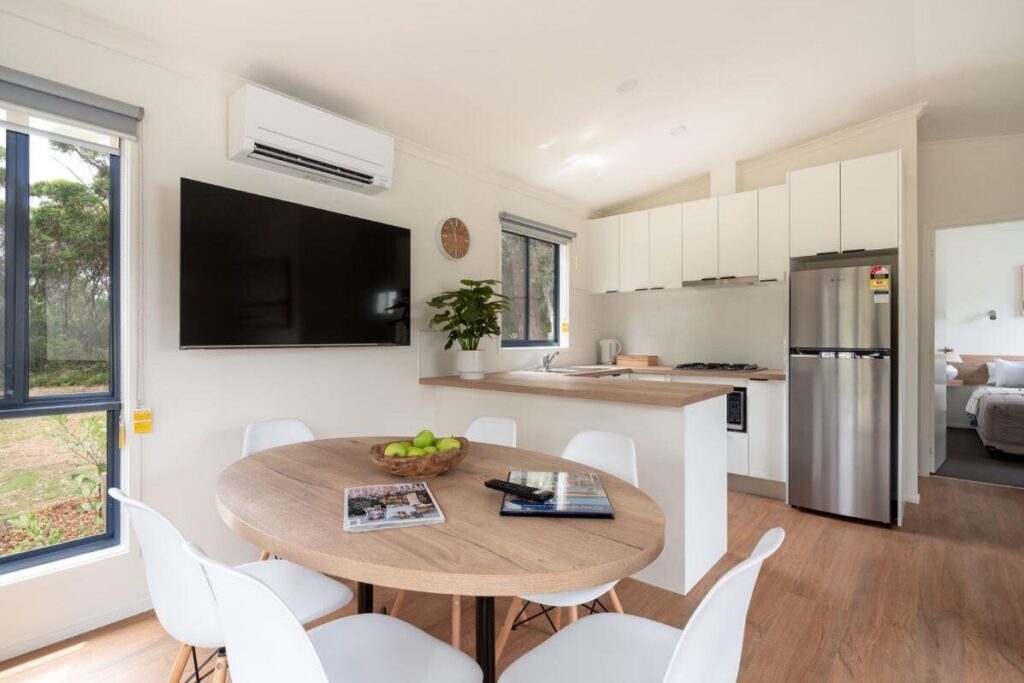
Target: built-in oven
(736,410)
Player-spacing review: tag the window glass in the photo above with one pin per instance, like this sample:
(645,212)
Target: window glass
(69,269)
(543,284)
(530,278)
(513,284)
(3,260)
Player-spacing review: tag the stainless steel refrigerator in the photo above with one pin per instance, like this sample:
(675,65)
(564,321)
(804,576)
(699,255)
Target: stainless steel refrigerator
(842,366)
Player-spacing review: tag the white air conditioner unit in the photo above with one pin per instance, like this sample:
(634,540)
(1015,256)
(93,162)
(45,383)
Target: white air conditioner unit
(270,130)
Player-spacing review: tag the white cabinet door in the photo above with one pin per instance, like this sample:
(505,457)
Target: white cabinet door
(634,252)
(666,224)
(700,240)
(737,235)
(870,202)
(604,254)
(648,378)
(772,233)
(766,429)
(736,454)
(814,210)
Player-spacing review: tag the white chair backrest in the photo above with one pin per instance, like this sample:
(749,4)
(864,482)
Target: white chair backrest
(608,452)
(499,431)
(259,436)
(180,594)
(265,642)
(711,645)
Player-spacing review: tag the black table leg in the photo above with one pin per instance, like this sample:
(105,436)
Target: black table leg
(485,637)
(364,597)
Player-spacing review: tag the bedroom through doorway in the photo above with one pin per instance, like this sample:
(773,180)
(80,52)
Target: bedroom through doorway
(979,334)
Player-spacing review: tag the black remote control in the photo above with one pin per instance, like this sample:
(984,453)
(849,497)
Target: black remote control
(520,491)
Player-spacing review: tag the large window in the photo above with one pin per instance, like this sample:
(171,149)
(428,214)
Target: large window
(59,303)
(533,257)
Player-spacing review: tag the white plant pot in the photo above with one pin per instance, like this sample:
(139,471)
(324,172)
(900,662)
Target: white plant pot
(470,364)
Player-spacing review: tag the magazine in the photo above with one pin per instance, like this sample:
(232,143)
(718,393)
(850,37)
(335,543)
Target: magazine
(389,506)
(577,494)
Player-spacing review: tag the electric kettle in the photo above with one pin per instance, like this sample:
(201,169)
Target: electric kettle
(610,348)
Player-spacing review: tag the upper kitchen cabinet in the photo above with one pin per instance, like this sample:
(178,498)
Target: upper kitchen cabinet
(666,228)
(634,251)
(870,202)
(737,235)
(772,233)
(604,254)
(814,211)
(700,240)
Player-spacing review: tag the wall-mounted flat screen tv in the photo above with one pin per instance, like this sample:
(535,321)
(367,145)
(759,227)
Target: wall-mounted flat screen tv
(257,271)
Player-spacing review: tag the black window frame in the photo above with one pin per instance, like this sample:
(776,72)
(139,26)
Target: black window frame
(538,343)
(16,402)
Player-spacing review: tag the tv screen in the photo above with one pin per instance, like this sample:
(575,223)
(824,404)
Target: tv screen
(257,271)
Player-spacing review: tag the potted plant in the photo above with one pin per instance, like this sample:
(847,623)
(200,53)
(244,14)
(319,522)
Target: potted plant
(469,314)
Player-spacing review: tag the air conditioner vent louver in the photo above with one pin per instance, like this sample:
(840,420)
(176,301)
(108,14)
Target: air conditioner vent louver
(271,154)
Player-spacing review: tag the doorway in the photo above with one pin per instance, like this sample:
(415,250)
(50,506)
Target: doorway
(979,362)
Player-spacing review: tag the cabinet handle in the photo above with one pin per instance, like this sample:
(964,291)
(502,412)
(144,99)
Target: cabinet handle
(853,251)
(826,253)
(727,277)
(706,279)
(640,289)
(610,291)
(770,279)
(655,288)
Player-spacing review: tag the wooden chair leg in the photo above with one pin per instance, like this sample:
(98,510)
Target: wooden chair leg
(184,652)
(457,622)
(573,614)
(220,668)
(556,614)
(506,627)
(397,607)
(264,555)
(616,605)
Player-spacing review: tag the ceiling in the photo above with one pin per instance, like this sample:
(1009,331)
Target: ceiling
(532,88)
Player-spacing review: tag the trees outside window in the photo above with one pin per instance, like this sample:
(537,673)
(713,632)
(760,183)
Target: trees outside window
(530,278)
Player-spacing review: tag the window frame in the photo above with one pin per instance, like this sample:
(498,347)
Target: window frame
(557,302)
(16,401)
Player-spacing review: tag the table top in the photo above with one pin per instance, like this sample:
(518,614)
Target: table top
(664,394)
(290,500)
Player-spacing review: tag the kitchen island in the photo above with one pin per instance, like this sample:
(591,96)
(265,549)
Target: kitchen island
(680,435)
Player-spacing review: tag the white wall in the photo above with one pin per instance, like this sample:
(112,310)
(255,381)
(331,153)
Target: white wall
(727,324)
(983,267)
(203,399)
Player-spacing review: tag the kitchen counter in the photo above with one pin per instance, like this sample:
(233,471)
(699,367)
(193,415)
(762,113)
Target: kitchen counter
(584,386)
(606,370)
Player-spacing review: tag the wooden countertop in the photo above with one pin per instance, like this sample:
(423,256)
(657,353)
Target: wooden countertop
(667,394)
(605,370)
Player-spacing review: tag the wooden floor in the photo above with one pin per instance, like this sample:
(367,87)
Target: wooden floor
(941,599)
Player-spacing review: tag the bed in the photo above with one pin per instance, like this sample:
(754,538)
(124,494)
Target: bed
(998,413)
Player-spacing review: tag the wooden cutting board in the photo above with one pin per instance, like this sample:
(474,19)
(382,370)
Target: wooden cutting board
(636,361)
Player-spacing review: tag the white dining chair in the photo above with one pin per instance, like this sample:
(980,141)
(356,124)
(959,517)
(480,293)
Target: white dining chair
(609,648)
(268,644)
(260,436)
(183,602)
(497,431)
(605,451)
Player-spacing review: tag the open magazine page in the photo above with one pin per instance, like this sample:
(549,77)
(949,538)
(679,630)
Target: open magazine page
(388,506)
(577,494)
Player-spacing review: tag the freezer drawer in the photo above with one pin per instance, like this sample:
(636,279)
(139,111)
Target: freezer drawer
(840,428)
(835,308)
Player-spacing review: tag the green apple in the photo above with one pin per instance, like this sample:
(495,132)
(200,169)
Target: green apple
(429,450)
(415,451)
(395,450)
(407,444)
(448,444)
(423,439)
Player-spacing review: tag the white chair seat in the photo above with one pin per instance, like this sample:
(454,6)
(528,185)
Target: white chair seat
(601,648)
(309,594)
(571,598)
(375,647)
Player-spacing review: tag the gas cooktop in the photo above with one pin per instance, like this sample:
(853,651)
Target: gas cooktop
(728,367)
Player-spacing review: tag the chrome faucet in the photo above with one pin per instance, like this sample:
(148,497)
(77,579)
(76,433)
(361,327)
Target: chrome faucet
(546,360)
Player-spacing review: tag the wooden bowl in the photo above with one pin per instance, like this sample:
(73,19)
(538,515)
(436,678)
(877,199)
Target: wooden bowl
(421,466)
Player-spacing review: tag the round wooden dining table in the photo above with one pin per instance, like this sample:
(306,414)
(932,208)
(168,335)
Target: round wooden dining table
(290,501)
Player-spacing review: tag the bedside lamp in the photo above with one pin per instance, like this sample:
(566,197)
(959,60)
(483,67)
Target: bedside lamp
(952,357)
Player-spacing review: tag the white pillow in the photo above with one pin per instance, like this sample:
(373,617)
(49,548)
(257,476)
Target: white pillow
(991,365)
(1009,373)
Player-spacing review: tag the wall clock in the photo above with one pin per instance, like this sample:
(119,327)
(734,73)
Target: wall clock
(453,238)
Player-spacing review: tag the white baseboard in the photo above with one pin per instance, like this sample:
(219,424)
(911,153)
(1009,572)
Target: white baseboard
(914,498)
(72,630)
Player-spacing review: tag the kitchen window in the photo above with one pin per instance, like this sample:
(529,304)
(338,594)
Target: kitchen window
(533,258)
(60,406)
